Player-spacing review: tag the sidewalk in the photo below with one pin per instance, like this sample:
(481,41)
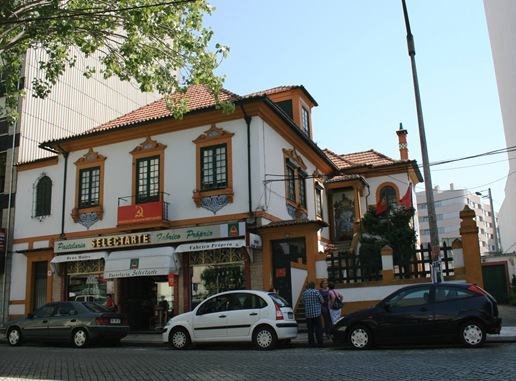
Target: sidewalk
(153,339)
(508,334)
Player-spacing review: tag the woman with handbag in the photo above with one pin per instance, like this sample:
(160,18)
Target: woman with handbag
(335,303)
(326,306)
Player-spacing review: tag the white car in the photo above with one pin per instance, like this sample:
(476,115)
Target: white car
(263,318)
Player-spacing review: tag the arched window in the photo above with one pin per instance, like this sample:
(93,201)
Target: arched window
(42,196)
(388,194)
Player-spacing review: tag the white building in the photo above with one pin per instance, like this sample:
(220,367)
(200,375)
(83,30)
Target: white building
(501,16)
(448,204)
(148,206)
(75,105)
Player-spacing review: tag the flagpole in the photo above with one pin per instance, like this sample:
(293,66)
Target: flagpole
(432,220)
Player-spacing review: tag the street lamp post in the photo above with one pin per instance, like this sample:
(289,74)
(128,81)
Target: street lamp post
(437,275)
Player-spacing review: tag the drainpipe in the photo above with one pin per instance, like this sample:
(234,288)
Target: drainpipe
(247,119)
(8,231)
(65,155)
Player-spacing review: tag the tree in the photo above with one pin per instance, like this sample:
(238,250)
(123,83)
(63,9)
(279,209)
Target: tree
(392,228)
(161,45)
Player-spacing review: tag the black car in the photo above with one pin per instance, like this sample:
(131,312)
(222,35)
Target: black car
(426,312)
(69,321)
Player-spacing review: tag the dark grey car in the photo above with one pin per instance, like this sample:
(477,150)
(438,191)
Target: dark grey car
(420,313)
(68,321)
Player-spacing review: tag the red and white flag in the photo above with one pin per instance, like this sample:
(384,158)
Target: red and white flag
(381,206)
(407,199)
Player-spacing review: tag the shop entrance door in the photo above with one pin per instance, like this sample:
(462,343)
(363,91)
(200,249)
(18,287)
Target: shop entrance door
(283,253)
(139,302)
(40,284)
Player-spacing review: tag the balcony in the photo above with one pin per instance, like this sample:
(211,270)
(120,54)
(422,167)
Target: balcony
(136,214)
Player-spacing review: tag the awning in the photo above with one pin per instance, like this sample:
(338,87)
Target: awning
(76,257)
(198,246)
(144,262)
(226,244)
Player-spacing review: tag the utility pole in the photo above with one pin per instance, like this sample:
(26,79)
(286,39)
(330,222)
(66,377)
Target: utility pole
(495,229)
(437,275)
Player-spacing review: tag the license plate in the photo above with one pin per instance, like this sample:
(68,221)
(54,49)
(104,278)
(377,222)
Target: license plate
(114,321)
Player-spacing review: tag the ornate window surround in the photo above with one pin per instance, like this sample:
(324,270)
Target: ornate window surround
(215,199)
(318,187)
(387,184)
(88,216)
(293,160)
(147,149)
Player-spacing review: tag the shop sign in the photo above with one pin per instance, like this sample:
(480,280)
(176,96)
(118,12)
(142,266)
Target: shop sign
(159,237)
(199,246)
(131,214)
(134,263)
(255,241)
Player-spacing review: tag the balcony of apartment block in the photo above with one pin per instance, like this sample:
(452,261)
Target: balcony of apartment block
(135,213)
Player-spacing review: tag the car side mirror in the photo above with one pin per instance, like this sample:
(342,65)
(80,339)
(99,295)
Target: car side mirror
(30,315)
(387,307)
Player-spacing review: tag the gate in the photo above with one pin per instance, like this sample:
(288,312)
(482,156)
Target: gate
(495,281)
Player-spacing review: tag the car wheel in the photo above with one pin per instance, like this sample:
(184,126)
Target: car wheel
(179,339)
(14,337)
(360,337)
(264,338)
(472,334)
(80,338)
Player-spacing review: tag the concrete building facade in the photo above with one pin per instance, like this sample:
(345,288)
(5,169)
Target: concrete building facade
(448,205)
(501,16)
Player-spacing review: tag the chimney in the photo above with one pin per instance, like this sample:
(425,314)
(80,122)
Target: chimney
(402,141)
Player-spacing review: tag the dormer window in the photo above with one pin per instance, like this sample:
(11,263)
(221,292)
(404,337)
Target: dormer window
(305,120)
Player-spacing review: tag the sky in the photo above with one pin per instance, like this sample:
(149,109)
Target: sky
(352,57)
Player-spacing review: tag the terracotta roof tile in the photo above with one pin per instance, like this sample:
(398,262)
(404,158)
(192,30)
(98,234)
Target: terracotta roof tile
(274,90)
(198,98)
(369,158)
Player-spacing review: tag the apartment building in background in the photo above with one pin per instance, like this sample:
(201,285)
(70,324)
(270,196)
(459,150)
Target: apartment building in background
(448,204)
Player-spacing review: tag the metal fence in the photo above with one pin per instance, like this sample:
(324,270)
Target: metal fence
(345,267)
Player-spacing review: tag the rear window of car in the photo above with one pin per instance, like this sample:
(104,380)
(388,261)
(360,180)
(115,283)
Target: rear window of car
(279,300)
(448,293)
(94,307)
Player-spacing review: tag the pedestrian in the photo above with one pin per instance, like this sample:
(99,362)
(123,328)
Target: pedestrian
(334,295)
(325,310)
(313,300)
(110,303)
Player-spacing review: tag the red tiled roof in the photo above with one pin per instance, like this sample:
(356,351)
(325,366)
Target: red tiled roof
(369,158)
(274,90)
(197,97)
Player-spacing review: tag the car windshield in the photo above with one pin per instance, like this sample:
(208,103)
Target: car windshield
(94,307)
(279,300)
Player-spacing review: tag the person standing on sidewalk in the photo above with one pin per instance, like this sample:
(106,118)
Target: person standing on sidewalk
(325,310)
(312,299)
